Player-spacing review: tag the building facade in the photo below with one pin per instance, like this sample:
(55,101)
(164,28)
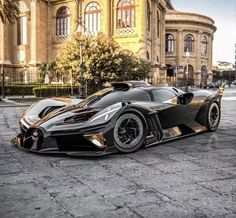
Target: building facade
(189,39)
(140,26)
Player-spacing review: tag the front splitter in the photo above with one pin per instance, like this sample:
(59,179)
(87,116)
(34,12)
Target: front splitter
(53,151)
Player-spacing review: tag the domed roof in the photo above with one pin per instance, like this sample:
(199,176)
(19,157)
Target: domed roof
(174,16)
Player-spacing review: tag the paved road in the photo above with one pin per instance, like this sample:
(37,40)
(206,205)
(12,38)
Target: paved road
(192,177)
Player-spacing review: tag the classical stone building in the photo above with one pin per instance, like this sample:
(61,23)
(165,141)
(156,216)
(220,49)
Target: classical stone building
(189,38)
(140,26)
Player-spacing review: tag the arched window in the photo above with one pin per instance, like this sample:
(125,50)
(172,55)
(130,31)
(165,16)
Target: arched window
(204,46)
(148,16)
(170,44)
(126,14)
(93,17)
(62,23)
(188,43)
(158,25)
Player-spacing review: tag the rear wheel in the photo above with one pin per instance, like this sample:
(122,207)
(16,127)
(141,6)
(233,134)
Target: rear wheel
(213,116)
(129,132)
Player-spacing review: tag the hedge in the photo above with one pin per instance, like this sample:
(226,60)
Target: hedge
(38,91)
(18,90)
(55,91)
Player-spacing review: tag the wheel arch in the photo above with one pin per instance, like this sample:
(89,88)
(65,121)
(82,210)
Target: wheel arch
(202,113)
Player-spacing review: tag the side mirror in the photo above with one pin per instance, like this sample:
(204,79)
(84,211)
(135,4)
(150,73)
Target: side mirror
(185,98)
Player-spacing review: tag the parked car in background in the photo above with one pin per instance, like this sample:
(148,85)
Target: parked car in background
(214,85)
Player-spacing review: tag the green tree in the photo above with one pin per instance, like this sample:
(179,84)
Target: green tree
(48,69)
(103,59)
(9,10)
(132,67)
(68,59)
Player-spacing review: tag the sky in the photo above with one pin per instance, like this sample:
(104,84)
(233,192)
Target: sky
(223,12)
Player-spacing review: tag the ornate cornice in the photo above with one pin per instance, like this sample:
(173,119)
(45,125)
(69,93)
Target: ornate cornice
(190,22)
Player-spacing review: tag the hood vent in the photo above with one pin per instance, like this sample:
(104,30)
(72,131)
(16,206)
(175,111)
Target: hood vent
(80,117)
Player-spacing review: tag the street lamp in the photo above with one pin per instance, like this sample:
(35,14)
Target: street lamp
(187,54)
(176,75)
(229,78)
(71,82)
(21,59)
(79,36)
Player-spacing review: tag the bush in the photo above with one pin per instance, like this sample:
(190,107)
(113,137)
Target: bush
(18,90)
(53,91)
(38,90)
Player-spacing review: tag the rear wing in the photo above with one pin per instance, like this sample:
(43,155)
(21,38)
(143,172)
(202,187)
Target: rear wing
(220,92)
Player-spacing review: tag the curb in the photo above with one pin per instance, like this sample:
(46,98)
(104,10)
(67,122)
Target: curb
(1,106)
(10,103)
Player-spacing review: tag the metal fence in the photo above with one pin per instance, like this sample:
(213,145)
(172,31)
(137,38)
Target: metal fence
(172,81)
(17,86)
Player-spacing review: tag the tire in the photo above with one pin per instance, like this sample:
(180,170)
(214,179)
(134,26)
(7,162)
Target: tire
(213,116)
(129,132)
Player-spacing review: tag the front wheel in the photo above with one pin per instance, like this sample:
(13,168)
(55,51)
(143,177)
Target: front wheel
(129,132)
(213,116)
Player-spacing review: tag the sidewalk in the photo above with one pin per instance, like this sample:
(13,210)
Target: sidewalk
(5,102)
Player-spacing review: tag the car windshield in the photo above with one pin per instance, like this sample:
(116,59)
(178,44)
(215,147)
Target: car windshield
(94,97)
(108,96)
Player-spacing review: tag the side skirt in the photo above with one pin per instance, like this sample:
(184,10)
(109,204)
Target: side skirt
(164,140)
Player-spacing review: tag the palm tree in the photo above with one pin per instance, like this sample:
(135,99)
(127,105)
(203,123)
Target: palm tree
(9,10)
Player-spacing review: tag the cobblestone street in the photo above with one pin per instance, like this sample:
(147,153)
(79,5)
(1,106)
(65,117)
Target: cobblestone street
(191,177)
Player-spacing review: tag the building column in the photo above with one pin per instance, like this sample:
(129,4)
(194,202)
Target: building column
(5,54)
(141,18)
(198,53)
(141,27)
(75,15)
(106,18)
(49,31)
(35,36)
(209,62)
(210,50)
(155,70)
(162,71)
(179,47)
(112,18)
(4,44)
(162,37)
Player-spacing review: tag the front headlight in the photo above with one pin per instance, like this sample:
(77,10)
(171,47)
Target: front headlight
(106,114)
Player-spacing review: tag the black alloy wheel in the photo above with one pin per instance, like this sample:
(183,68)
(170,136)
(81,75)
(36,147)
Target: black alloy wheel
(213,116)
(129,132)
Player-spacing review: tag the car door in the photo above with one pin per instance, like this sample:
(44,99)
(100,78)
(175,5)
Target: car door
(172,112)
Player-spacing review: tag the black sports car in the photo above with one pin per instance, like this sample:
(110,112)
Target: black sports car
(122,118)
